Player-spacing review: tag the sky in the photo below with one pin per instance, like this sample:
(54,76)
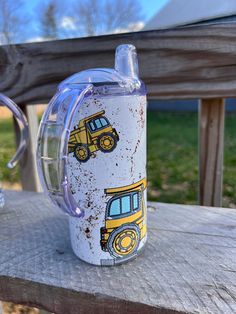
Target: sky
(150,8)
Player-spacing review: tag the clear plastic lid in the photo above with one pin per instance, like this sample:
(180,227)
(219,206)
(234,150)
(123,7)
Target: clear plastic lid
(124,75)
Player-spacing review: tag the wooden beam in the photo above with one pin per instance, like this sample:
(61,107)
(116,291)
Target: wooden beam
(191,62)
(28,167)
(211,151)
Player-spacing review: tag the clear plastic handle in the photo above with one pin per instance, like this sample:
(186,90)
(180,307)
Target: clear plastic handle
(23,126)
(52,151)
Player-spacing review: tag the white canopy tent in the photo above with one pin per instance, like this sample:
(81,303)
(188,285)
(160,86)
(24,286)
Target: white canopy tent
(183,12)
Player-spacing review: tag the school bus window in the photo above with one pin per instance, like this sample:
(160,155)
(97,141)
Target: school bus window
(115,207)
(103,121)
(92,126)
(135,201)
(98,123)
(125,204)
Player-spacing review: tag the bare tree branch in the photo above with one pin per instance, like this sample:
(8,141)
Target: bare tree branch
(104,16)
(49,24)
(11,21)
(121,13)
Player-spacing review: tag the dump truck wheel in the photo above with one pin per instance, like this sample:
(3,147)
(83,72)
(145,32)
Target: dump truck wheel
(81,152)
(107,142)
(124,241)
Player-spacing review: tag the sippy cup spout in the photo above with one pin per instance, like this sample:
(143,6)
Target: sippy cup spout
(126,61)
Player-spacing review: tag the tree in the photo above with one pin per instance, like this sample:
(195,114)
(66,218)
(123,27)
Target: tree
(88,18)
(106,16)
(49,25)
(11,21)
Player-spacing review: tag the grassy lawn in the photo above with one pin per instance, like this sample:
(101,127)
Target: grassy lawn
(172,157)
(7,149)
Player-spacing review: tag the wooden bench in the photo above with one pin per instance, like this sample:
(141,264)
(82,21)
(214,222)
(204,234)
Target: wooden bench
(188,266)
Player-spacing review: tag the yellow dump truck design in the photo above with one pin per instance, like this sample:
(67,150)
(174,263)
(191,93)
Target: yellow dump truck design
(125,220)
(93,133)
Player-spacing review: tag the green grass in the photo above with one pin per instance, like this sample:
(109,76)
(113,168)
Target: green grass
(7,150)
(230,162)
(172,157)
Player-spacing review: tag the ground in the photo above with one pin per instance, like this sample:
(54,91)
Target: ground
(172,157)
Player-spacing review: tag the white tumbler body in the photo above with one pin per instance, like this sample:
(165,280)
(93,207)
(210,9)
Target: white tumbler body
(107,175)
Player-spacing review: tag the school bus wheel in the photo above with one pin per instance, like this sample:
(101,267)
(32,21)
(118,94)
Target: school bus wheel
(107,142)
(124,241)
(81,152)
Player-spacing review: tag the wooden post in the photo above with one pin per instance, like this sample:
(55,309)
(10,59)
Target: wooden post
(211,151)
(28,168)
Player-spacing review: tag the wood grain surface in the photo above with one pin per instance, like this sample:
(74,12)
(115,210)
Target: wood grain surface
(188,266)
(211,151)
(189,62)
(28,168)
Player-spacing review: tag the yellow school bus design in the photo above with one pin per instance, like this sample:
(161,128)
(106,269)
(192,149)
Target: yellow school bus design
(125,220)
(93,133)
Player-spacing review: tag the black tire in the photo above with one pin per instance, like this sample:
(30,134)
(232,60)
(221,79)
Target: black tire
(107,142)
(126,233)
(79,148)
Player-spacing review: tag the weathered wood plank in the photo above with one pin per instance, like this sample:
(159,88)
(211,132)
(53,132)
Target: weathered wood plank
(189,264)
(43,312)
(211,151)
(28,167)
(191,62)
